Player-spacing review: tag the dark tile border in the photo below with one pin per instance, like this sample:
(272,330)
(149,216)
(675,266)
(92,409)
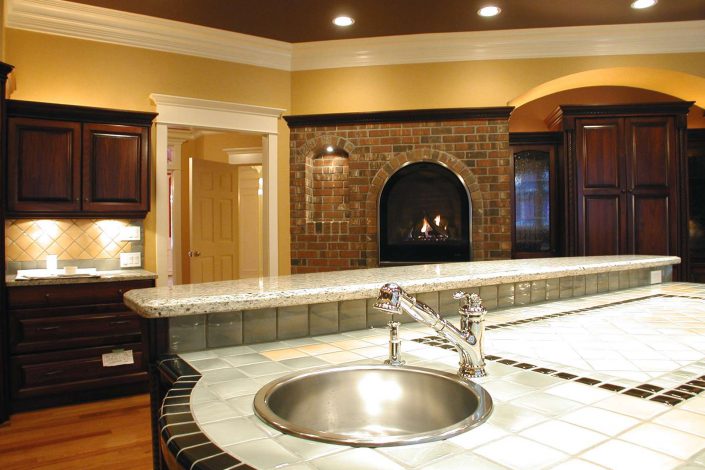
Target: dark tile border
(180,435)
(685,391)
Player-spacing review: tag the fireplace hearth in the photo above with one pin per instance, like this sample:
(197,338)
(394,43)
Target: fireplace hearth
(424,216)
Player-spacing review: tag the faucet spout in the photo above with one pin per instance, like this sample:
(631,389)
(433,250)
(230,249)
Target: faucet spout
(393,300)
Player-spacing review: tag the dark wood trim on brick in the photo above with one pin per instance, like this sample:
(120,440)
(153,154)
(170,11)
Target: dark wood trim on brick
(413,115)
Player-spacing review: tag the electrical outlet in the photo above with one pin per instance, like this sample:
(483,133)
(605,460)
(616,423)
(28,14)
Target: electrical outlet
(656,277)
(130,260)
(130,233)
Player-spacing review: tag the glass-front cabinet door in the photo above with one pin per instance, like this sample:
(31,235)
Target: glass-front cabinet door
(534,201)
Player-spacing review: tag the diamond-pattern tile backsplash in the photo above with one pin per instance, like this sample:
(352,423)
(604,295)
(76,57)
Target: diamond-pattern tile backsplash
(69,239)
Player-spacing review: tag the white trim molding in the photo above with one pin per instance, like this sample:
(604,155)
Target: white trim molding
(101,24)
(81,21)
(193,112)
(244,155)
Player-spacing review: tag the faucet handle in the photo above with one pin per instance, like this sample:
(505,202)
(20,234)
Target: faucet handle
(470,304)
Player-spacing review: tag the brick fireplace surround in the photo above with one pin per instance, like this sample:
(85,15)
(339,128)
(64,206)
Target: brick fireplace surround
(334,195)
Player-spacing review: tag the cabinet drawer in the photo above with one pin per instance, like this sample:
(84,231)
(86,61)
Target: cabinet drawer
(52,333)
(36,374)
(71,294)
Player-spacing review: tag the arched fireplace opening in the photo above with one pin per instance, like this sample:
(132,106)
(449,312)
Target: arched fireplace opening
(424,216)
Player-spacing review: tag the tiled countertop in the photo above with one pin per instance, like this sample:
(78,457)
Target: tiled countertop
(607,381)
(300,289)
(105,276)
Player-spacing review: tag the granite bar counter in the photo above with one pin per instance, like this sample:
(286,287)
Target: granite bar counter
(250,311)
(101,276)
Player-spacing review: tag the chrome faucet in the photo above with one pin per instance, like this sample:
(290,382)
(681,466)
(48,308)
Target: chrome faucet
(468,340)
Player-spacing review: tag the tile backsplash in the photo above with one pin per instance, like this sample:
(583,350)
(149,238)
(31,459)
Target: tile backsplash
(83,242)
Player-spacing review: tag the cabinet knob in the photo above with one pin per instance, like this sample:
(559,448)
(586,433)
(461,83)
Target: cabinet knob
(47,296)
(121,291)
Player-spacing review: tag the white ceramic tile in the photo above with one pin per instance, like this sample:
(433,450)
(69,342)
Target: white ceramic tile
(475,437)
(665,440)
(320,348)
(564,436)
(283,354)
(600,420)
(696,404)
(340,357)
(505,391)
(620,455)
(263,454)
(579,392)
(212,412)
(244,359)
(308,449)
(242,405)
(512,418)
(213,363)
(355,459)
(234,388)
(525,454)
(306,362)
(577,464)
(420,454)
(264,368)
(464,461)
(546,404)
(232,431)
(693,423)
(632,406)
(221,375)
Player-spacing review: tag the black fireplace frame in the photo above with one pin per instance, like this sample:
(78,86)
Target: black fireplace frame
(419,254)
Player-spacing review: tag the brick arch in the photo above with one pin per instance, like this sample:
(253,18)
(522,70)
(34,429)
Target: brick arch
(335,212)
(456,166)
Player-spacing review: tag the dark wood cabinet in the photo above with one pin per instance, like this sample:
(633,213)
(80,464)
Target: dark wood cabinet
(58,335)
(536,194)
(696,196)
(5,70)
(77,162)
(625,173)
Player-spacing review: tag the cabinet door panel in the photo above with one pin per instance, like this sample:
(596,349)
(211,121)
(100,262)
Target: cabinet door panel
(44,165)
(599,161)
(116,168)
(650,153)
(602,227)
(652,226)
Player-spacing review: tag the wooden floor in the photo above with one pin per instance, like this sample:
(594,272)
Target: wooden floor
(110,434)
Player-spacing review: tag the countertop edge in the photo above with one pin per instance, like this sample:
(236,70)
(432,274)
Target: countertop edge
(161,303)
(105,276)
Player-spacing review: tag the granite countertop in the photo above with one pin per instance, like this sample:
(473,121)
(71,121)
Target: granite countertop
(300,289)
(104,276)
(578,383)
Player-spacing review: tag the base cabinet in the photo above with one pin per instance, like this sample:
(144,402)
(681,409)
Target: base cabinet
(59,336)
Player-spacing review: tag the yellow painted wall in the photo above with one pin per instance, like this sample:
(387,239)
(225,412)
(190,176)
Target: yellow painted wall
(56,69)
(468,84)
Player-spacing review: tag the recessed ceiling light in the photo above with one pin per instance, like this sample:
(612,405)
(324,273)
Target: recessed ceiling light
(343,21)
(640,4)
(489,10)
(330,149)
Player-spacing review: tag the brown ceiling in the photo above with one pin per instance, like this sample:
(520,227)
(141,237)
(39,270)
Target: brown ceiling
(310,20)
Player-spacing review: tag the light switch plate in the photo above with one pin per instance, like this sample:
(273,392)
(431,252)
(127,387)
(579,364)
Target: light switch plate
(130,260)
(130,233)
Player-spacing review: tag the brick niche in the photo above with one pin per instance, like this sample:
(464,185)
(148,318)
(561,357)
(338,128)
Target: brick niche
(334,194)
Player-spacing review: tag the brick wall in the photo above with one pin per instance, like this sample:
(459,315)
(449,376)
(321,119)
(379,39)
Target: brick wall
(334,195)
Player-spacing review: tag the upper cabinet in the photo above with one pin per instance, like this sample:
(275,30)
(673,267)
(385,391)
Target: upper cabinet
(626,175)
(71,161)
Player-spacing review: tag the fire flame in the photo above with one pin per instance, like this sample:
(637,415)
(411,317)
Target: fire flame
(426,226)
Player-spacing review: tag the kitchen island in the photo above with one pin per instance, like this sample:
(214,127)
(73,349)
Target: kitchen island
(552,408)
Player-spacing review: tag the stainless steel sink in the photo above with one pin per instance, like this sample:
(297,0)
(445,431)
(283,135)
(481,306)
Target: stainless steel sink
(373,405)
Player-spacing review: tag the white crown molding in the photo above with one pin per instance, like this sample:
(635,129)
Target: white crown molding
(649,38)
(129,29)
(244,155)
(105,25)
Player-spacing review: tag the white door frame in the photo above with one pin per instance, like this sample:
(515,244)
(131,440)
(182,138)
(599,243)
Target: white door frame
(221,115)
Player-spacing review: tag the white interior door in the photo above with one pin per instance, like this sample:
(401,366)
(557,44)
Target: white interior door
(250,221)
(213,221)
